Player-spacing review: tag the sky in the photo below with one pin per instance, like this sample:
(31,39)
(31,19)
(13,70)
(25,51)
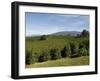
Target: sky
(47,23)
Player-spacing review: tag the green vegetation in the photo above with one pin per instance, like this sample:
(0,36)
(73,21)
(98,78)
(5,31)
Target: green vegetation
(83,60)
(65,52)
(43,37)
(29,57)
(44,57)
(47,50)
(74,50)
(83,52)
(55,54)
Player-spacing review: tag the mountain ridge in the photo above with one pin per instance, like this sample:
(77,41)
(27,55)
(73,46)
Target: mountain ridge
(70,33)
(61,33)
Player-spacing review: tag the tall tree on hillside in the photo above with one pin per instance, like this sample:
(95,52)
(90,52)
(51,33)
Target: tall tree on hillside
(84,33)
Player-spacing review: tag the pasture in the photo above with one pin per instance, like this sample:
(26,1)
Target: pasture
(37,46)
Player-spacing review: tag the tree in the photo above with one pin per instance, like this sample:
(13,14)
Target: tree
(83,52)
(35,57)
(55,54)
(84,47)
(44,57)
(84,44)
(81,45)
(66,51)
(28,57)
(84,33)
(74,49)
(43,37)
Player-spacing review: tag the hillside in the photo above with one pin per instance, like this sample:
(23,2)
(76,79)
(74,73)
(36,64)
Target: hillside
(42,49)
(64,33)
(37,46)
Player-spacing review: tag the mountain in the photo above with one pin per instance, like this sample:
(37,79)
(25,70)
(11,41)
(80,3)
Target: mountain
(62,33)
(70,33)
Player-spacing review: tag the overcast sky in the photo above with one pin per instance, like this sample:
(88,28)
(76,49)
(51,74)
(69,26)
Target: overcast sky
(47,23)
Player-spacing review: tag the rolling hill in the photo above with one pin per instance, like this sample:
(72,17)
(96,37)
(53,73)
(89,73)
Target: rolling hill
(63,33)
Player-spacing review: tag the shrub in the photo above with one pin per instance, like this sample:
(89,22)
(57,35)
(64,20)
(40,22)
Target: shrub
(35,57)
(84,44)
(81,45)
(83,52)
(65,51)
(44,57)
(74,49)
(43,37)
(28,57)
(55,54)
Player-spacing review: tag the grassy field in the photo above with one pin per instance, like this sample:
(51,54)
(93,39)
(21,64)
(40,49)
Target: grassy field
(39,46)
(83,60)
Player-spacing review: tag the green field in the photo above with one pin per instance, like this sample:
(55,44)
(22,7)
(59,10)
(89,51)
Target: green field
(37,46)
(83,60)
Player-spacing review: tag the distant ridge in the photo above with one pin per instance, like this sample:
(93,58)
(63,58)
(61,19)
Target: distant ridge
(70,33)
(62,33)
